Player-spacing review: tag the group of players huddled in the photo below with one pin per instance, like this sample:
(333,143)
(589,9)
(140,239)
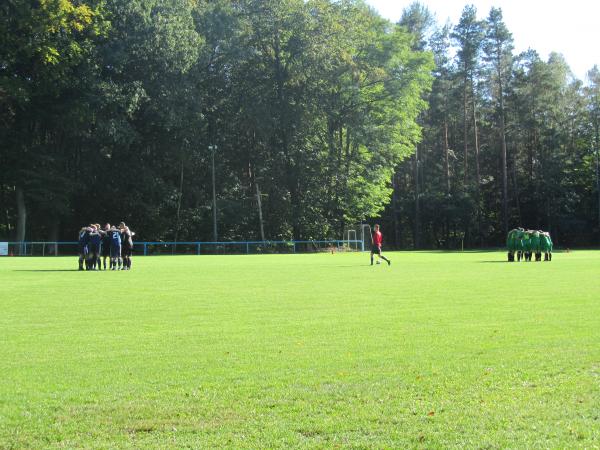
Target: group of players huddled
(528,243)
(111,242)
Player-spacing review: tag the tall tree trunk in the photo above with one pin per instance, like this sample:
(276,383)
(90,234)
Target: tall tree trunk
(214,197)
(295,202)
(341,191)
(466,237)
(260,215)
(504,152)
(54,234)
(446,156)
(395,209)
(21,217)
(178,217)
(446,168)
(516,189)
(538,192)
(465,132)
(417,201)
(548,215)
(598,170)
(292,178)
(476,137)
(5,212)
(477,169)
(531,147)
(347,166)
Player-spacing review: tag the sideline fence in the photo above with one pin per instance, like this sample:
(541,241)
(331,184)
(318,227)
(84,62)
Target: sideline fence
(68,248)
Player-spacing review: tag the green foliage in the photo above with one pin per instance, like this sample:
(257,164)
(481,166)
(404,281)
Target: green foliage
(108,109)
(314,102)
(481,94)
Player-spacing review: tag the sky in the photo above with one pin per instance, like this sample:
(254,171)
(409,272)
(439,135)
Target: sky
(570,27)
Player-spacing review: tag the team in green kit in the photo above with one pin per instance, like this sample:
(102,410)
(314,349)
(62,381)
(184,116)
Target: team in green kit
(526,243)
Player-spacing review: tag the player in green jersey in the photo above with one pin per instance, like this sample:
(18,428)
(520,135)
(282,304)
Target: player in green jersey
(546,245)
(536,245)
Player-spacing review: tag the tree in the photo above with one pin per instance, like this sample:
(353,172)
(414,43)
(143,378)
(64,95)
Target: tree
(498,49)
(109,109)
(44,67)
(418,21)
(593,100)
(468,35)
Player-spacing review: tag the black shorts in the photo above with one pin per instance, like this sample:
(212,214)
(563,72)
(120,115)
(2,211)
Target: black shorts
(115,250)
(105,250)
(376,249)
(126,251)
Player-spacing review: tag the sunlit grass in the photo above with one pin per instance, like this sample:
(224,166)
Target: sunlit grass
(438,350)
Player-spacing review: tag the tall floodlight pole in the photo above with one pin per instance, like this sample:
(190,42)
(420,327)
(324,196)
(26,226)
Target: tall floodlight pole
(213,149)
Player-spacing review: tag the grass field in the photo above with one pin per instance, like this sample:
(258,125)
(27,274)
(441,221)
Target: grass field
(315,351)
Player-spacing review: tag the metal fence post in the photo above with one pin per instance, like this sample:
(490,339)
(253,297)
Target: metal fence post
(198,248)
(145,249)
(247,248)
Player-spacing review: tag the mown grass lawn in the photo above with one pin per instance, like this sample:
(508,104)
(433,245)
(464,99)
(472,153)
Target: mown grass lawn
(315,351)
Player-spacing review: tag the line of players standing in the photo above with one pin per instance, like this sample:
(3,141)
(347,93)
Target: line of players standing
(113,243)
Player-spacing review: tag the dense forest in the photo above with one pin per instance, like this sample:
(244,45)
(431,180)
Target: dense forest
(508,140)
(298,119)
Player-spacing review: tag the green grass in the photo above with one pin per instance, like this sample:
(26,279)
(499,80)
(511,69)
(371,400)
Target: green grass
(438,350)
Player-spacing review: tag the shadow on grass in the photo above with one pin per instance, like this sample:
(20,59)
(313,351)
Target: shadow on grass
(443,251)
(348,266)
(51,270)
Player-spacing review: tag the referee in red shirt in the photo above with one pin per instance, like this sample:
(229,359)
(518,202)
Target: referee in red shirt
(376,248)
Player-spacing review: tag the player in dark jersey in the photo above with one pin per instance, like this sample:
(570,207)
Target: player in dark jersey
(115,248)
(106,240)
(94,248)
(376,248)
(82,244)
(102,234)
(126,245)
